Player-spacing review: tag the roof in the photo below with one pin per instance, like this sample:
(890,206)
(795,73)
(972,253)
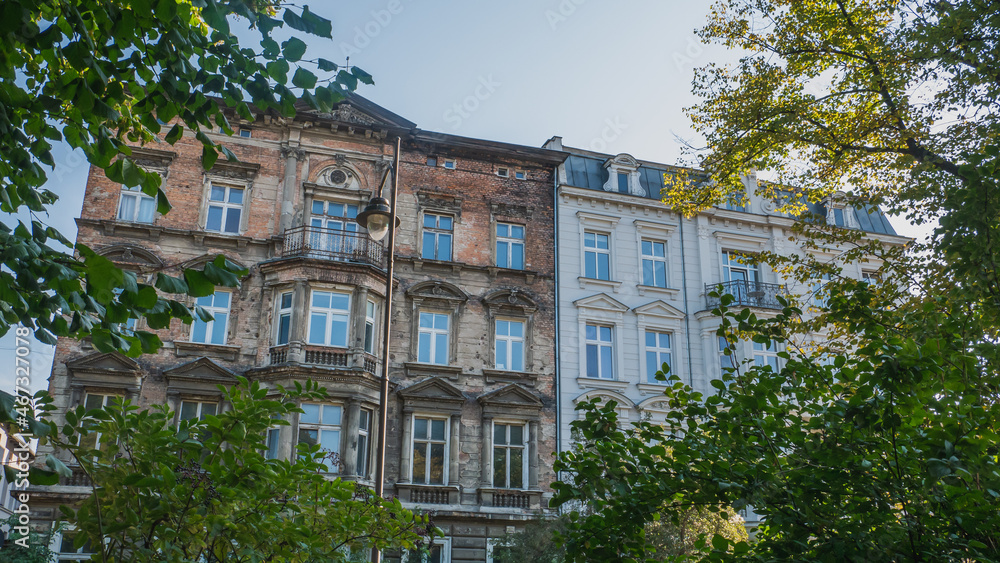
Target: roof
(586,170)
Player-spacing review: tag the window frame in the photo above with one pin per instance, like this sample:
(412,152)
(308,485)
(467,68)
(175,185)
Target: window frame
(321,426)
(597,252)
(363,465)
(370,337)
(140,197)
(520,175)
(510,242)
(523,447)
(503,172)
(768,353)
(438,233)
(449,164)
(510,341)
(659,351)
(210,325)
(331,314)
(600,345)
(429,441)
(226,206)
(654,260)
(284,313)
(434,333)
(105,402)
(199,414)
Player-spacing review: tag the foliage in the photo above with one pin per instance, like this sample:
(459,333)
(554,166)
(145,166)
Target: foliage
(204,490)
(681,538)
(101,76)
(37,550)
(535,543)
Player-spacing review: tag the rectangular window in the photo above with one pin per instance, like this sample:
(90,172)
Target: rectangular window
(508,456)
(727,361)
(510,246)
(370,325)
(766,354)
(657,353)
(430,447)
(520,175)
(432,161)
(596,256)
(364,442)
(503,172)
(284,318)
(93,401)
(320,424)
(68,553)
(332,229)
(736,202)
(623,182)
(196,410)
(509,345)
(437,237)
(432,339)
(838,217)
(245,133)
(654,263)
(819,292)
(871,278)
(328,318)
(449,164)
(225,208)
(600,356)
(273,439)
(135,206)
(214,331)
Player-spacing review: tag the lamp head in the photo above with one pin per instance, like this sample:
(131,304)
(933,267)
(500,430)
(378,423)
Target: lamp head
(375,218)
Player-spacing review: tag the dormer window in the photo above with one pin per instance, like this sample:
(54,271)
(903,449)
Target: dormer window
(839,213)
(623,182)
(623,176)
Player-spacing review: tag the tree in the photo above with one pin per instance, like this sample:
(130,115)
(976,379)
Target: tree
(880,445)
(36,550)
(205,489)
(105,75)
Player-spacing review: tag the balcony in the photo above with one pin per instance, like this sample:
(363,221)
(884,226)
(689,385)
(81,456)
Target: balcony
(747,294)
(323,356)
(332,244)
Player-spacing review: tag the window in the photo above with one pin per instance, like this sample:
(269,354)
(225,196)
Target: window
(432,339)
(510,246)
(870,277)
(135,206)
(195,410)
(94,401)
(520,175)
(600,357)
(737,267)
(449,164)
(364,442)
(838,217)
(438,552)
(657,353)
(214,331)
(654,263)
(328,318)
(597,256)
(370,327)
(818,290)
(127,327)
(503,172)
(320,424)
(432,161)
(437,237)
(727,358)
(623,182)
(430,445)
(225,208)
(272,441)
(766,354)
(736,202)
(68,553)
(284,318)
(245,133)
(332,228)
(509,339)
(508,456)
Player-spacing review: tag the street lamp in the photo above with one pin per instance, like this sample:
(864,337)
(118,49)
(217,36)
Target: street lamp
(379,219)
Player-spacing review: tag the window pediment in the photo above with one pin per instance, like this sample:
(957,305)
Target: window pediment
(510,400)
(659,309)
(442,202)
(601,302)
(510,300)
(605,396)
(130,255)
(109,369)
(433,394)
(198,377)
(230,170)
(437,291)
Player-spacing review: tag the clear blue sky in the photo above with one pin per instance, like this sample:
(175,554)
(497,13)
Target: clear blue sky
(608,76)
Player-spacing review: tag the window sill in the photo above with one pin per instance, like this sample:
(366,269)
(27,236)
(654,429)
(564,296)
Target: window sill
(594,383)
(239,240)
(529,275)
(503,376)
(656,290)
(221,351)
(128,228)
(652,388)
(422,263)
(420,369)
(593,282)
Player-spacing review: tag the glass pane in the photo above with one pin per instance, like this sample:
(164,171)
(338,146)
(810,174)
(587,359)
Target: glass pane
(517,231)
(502,354)
(352,212)
(321,299)
(218,193)
(198,331)
(647,248)
(222,299)
(516,435)
(370,309)
(330,441)
(499,467)
(317,328)
(444,247)
(441,349)
(603,267)
(235,195)
(273,436)
(444,222)
(335,209)
(146,208)
(284,329)
(651,366)
(219,328)
(332,414)
(309,437)
(591,332)
(517,356)
(338,330)
(664,340)
(426,320)
(665,359)
(209,409)
(499,434)
(232,220)
(592,366)
(502,229)
(441,322)
(517,256)
(317,207)
(602,242)
(214,222)
(648,278)
(623,183)
(427,252)
(126,207)
(650,339)
(437,430)
(310,414)
(607,369)
(430,221)
(503,260)
(661,274)
(516,469)
(588,240)
(420,428)
(605,333)
(590,265)
(94,402)
(437,464)
(189,410)
(420,464)
(365,421)
(424,348)
(516,329)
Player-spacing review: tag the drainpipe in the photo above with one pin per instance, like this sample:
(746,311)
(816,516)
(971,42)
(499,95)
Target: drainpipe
(684,292)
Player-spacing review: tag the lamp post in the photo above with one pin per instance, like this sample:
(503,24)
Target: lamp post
(379,218)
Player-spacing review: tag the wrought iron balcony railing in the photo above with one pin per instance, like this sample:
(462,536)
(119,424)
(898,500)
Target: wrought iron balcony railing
(332,244)
(747,294)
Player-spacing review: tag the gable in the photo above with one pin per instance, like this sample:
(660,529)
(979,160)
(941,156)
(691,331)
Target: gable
(104,361)
(356,110)
(436,290)
(511,395)
(432,388)
(201,369)
(660,309)
(130,255)
(601,301)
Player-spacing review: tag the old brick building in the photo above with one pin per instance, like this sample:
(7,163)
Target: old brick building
(471,430)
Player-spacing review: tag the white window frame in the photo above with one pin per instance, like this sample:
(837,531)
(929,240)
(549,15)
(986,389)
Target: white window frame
(249,132)
(449,164)
(362,465)
(766,354)
(510,242)
(445,544)
(659,351)
(600,344)
(597,252)
(285,313)
(226,207)
(57,545)
(140,198)
(510,341)
(503,172)
(331,315)
(105,401)
(371,325)
(520,175)
(210,325)
(523,447)
(446,420)
(438,233)
(323,426)
(654,260)
(434,333)
(272,443)
(199,409)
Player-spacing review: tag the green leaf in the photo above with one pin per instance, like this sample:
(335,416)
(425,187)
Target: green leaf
(293,49)
(326,66)
(208,157)
(174,134)
(215,17)
(170,284)
(198,283)
(304,79)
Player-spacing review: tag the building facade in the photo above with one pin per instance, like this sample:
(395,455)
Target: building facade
(471,431)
